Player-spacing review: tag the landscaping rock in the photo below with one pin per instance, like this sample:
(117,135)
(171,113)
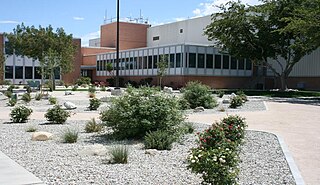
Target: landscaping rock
(41,136)
(151,152)
(168,90)
(225,101)
(232,95)
(68,93)
(116,92)
(198,109)
(96,149)
(69,105)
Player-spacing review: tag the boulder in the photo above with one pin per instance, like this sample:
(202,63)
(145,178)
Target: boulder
(232,95)
(167,89)
(67,93)
(225,101)
(151,152)
(116,92)
(69,105)
(96,149)
(41,136)
(198,109)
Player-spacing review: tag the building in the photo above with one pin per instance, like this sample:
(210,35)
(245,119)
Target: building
(188,52)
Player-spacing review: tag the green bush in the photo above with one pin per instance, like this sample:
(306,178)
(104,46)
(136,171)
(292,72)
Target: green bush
(198,95)
(52,100)
(11,87)
(28,88)
(74,88)
(70,136)
(38,96)
(220,93)
(26,97)
(92,89)
(236,102)
(94,104)
(93,126)
(242,95)
(140,111)
(20,114)
(119,154)
(8,94)
(57,115)
(31,129)
(186,128)
(12,102)
(103,88)
(217,156)
(183,104)
(83,81)
(160,140)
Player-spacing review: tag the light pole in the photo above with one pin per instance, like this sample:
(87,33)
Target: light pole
(117,52)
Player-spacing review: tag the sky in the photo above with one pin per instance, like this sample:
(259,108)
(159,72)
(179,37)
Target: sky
(82,18)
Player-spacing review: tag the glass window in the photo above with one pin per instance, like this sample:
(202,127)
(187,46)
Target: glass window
(57,73)
(135,63)
(155,62)
(131,63)
(19,72)
(28,72)
(200,60)
(192,60)
(217,61)
(98,63)
(178,60)
(155,38)
(241,64)
(171,61)
(150,62)
(209,61)
(248,64)
(145,62)
(233,63)
(8,72)
(225,62)
(37,72)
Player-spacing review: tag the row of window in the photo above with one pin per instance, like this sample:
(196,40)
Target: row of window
(143,62)
(28,72)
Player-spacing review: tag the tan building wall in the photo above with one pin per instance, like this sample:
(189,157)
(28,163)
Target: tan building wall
(131,35)
(71,77)
(1,65)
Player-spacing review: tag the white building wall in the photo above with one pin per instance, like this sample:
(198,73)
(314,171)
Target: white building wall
(94,42)
(169,34)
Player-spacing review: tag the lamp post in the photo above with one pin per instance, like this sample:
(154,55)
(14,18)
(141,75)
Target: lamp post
(117,52)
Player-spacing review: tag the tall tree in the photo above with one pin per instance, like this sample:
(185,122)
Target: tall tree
(54,50)
(261,33)
(2,64)
(162,68)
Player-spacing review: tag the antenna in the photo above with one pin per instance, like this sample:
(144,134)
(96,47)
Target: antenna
(105,16)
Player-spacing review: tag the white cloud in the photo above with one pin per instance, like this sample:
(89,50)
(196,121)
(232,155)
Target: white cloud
(210,6)
(78,18)
(85,38)
(9,22)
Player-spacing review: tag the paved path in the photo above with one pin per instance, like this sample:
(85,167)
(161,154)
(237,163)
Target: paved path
(297,124)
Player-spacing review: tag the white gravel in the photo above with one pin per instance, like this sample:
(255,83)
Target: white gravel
(59,163)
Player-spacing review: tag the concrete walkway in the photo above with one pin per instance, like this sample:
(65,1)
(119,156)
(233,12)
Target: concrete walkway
(11,173)
(297,124)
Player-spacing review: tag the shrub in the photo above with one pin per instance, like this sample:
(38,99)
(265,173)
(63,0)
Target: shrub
(198,94)
(103,88)
(186,128)
(94,104)
(236,102)
(8,94)
(12,102)
(92,89)
(38,96)
(70,136)
(140,111)
(119,154)
(57,115)
(74,88)
(11,87)
(31,129)
(83,80)
(183,104)
(242,95)
(52,100)
(220,93)
(7,82)
(26,97)
(28,88)
(93,126)
(234,127)
(20,114)
(160,140)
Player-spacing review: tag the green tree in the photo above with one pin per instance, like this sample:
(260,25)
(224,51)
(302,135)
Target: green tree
(261,33)
(2,63)
(109,68)
(54,50)
(162,68)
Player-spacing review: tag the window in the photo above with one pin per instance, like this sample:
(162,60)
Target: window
(98,63)
(225,62)
(178,60)
(8,72)
(209,61)
(200,60)
(217,61)
(135,63)
(103,64)
(155,62)
(7,49)
(233,63)
(28,72)
(145,62)
(171,61)
(192,60)
(140,63)
(19,72)
(37,72)
(131,63)
(155,38)
(181,30)
(248,64)
(241,64)
(150,62)
(57,73)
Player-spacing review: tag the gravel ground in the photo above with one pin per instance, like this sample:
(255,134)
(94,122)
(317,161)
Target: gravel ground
(59,163)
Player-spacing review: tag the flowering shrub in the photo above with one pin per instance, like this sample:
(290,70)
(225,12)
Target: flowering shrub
(236,102)
(217,155)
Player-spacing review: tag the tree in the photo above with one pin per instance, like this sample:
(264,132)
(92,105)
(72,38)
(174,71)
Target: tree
(2,64)
(54,50)
(109,68)
(162,68)
(261,33)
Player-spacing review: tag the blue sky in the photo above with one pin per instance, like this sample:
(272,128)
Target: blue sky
(83,18)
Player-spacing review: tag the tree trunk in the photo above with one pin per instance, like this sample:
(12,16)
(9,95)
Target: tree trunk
(283,82)
(53,81)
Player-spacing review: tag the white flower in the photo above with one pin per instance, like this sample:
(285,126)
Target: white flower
(215,158)
(199,155)
(222,160)
(193,161)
